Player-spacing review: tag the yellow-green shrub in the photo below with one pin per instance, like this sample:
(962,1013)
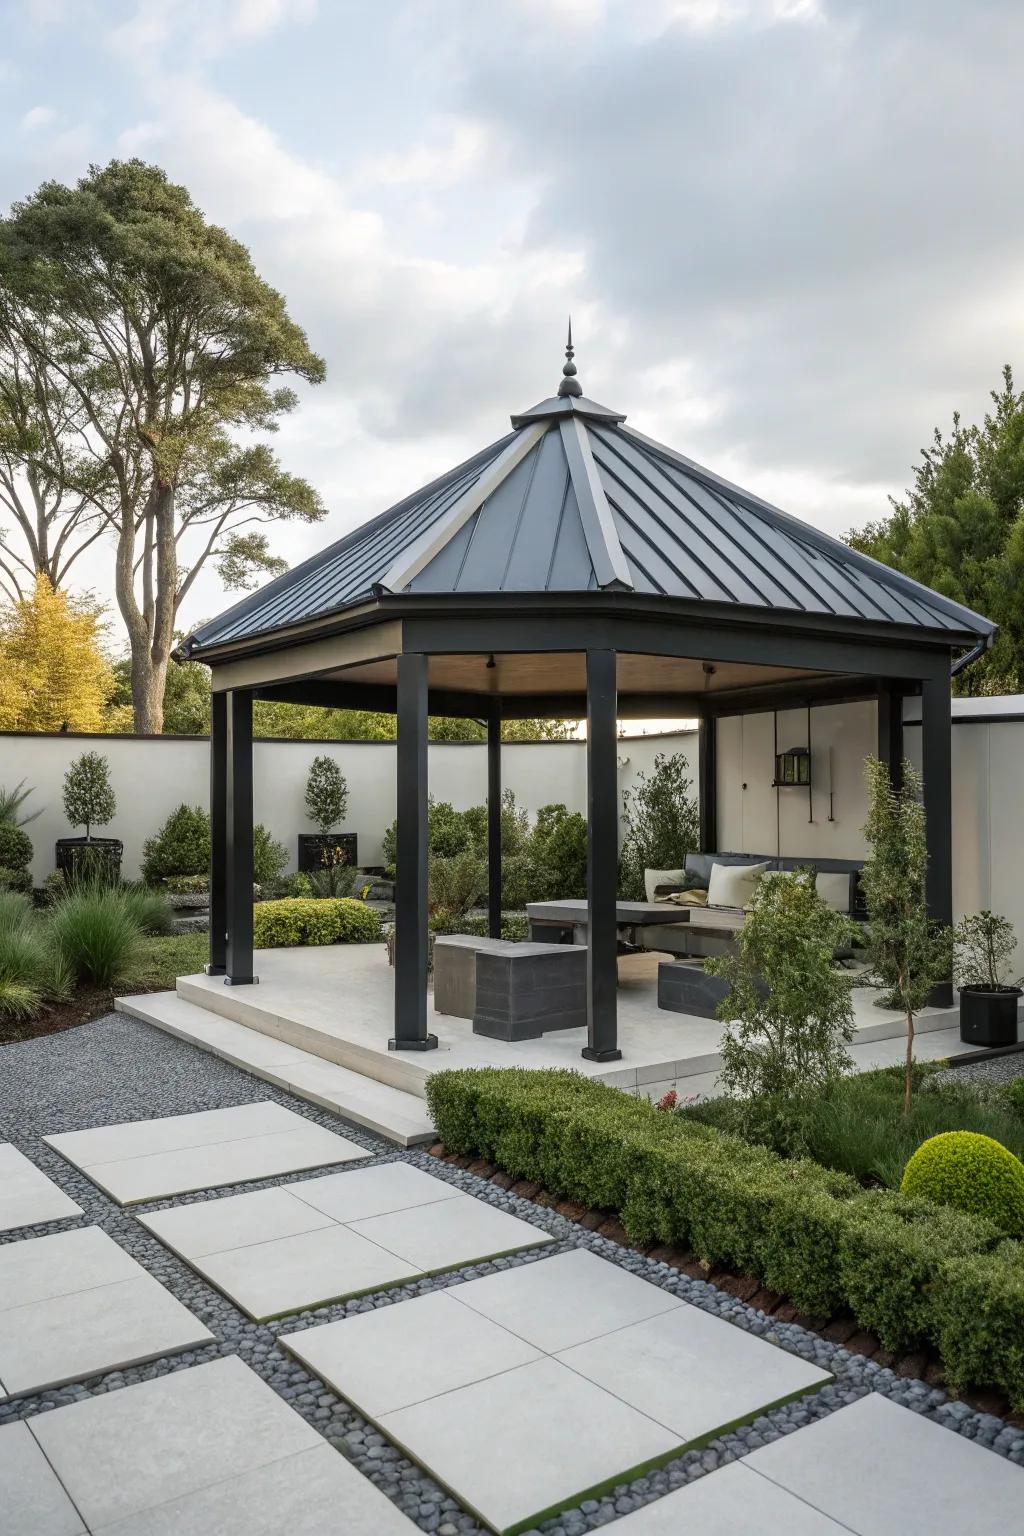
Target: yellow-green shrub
(308,920)
(974,1173)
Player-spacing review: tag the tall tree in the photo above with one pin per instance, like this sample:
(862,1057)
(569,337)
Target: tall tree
(960,530)
(53,673)
(150,346)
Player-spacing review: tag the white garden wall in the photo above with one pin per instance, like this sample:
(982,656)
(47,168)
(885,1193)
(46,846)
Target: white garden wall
(152,775)
(988,792)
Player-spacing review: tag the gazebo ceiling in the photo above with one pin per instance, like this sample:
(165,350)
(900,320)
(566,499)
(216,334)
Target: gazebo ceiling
(532,674)
(574,501)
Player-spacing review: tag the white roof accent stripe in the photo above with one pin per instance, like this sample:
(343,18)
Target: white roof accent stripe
(609,562)
(430,543)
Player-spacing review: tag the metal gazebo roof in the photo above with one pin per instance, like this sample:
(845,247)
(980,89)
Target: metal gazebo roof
(573,501)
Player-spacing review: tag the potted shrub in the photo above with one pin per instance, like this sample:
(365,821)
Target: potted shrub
(983,946)
(326,803)
(89,801)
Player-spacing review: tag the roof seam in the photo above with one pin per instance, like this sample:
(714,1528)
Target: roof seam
(691,527)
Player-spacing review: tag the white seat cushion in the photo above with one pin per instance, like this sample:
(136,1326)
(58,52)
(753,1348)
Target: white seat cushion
(734,885)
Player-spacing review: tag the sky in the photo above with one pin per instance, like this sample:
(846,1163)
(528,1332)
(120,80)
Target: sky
(789,232)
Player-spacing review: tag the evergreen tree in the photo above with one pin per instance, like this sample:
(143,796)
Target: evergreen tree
(138,346)
(960,530)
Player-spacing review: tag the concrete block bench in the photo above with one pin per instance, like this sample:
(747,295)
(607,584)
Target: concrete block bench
(526,990)
(455,970)
(685,987)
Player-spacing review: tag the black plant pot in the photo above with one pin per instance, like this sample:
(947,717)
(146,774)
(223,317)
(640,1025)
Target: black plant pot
(89,858)
(988,1015)
(313,844)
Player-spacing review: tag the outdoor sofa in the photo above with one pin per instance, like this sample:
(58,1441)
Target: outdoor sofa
(683,985)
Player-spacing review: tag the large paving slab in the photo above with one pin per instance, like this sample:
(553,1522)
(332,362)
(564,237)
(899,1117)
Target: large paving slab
(32,1501)
(447,1233)
(307,1270)
(306,1244)
(27,1196)
(566,1300)
(529,1441)
(210,1451)
(879,1469)
(687,1371)
(724,1504)
(397,1356)
(153,1159)
(74,1304)
(527,1390)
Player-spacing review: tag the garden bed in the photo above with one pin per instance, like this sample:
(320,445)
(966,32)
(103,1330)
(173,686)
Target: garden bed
(857,1125)
(918,1277)
(157,963)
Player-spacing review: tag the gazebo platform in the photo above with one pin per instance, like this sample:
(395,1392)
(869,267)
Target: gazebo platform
(318,1023)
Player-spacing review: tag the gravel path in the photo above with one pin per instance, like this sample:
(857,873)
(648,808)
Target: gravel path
(996,1069)
(117,1069)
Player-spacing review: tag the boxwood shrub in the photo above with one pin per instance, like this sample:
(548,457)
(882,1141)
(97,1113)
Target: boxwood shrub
(911,1271)
(306,920)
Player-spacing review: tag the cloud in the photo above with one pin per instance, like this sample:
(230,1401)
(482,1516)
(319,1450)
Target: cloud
(803,205)
(786,229)
(209,27)
(36,118)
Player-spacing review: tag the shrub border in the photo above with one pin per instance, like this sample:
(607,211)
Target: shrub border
(913,1272)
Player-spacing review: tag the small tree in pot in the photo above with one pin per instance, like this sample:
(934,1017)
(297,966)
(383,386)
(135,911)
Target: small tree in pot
(326,804)
(89,801)
(983,947)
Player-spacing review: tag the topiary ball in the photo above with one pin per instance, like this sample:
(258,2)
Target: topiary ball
(15,846)
(973,1173)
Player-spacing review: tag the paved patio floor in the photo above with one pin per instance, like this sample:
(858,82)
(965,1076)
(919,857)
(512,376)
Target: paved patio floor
(337,1002)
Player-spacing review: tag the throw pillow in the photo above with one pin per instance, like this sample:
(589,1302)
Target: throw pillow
(656,877)
(733,885)
(834,889)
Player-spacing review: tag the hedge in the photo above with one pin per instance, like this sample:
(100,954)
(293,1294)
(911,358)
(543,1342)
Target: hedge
(913,1272)
(308,920)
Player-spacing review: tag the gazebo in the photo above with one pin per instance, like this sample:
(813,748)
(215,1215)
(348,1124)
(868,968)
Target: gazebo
(574,567)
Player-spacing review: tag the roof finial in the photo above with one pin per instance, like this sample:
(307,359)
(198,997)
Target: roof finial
(570,384)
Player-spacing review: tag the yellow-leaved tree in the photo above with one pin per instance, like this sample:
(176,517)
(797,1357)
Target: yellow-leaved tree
(53,673)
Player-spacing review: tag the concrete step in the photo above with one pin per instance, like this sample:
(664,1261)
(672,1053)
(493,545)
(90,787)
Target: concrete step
(390,1112)
(296,1026)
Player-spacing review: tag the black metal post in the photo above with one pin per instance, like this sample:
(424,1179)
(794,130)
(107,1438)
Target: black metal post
(411,860)
(890,733)
(602,858)
(218,834)
(238,954)
(707,782)
(937,771)
(494,820)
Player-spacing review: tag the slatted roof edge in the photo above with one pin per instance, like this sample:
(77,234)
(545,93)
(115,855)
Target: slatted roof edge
(824,543)
(205,634)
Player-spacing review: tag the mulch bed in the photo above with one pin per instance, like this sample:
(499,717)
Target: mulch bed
(923,1365)
(52,1018)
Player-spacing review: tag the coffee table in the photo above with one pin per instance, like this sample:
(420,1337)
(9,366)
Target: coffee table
(566,922)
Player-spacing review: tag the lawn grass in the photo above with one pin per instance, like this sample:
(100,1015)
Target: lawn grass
(158,961)
(858,1127)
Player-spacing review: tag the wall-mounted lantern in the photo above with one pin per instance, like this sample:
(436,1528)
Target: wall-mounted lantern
(793,769)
